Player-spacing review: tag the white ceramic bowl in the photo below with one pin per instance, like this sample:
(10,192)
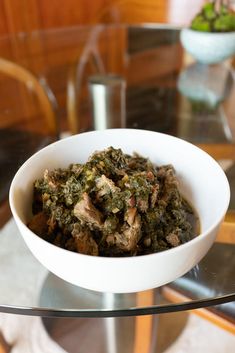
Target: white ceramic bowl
(202,182)
(206,47)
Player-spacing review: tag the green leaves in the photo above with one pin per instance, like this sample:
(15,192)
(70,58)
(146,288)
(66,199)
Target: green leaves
(211,19)
(199,23)
(224,23)
(209,11)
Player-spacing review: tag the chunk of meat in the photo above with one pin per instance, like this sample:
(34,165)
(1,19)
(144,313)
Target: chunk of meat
(84,243)
(153,198)
(49,179)
(173,239)
(86,212)
(143,204)
(38,224)
(170,182)
(130,215)
(128,238)
(105,186)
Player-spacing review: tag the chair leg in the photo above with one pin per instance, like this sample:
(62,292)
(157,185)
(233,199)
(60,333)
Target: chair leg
(5,214)
(4,346)
(174,297)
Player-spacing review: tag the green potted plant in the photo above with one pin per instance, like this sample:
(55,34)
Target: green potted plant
(210,38)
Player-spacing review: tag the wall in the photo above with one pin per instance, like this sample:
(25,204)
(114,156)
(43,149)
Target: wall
(29,15)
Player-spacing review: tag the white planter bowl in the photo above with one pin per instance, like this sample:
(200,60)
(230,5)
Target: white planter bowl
(202,182)
(208,48)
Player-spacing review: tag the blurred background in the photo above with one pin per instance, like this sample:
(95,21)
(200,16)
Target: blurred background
(30,15)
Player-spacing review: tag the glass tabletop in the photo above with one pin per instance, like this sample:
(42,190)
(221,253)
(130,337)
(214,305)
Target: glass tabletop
(165,90)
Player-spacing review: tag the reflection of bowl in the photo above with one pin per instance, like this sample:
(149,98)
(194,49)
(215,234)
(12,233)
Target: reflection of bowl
(202,83)
(201,180)
(206,47)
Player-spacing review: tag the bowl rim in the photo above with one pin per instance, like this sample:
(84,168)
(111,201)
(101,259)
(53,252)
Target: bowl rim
(208,34)
(126,259)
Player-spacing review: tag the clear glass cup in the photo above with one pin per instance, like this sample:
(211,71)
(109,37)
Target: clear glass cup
(108,101)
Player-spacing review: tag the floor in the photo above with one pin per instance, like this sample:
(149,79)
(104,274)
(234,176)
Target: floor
(177,333)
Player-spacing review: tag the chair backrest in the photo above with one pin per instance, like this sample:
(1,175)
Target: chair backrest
(35,86)
(28,122)
(89,59)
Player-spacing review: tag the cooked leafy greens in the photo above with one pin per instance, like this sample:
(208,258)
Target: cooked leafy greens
(113,205)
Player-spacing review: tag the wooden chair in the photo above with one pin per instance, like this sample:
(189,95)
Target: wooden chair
(28,121)
(89,59)
(39,87)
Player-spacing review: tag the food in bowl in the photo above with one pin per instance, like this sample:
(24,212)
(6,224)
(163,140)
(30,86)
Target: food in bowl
(115,204)
(202,183)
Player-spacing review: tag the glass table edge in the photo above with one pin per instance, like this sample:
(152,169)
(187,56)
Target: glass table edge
(104,313)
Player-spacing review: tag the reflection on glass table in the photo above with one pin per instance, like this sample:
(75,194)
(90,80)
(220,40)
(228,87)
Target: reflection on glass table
(199,95)
(203,89)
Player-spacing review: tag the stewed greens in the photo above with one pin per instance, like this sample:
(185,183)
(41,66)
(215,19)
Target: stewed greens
(114,205)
